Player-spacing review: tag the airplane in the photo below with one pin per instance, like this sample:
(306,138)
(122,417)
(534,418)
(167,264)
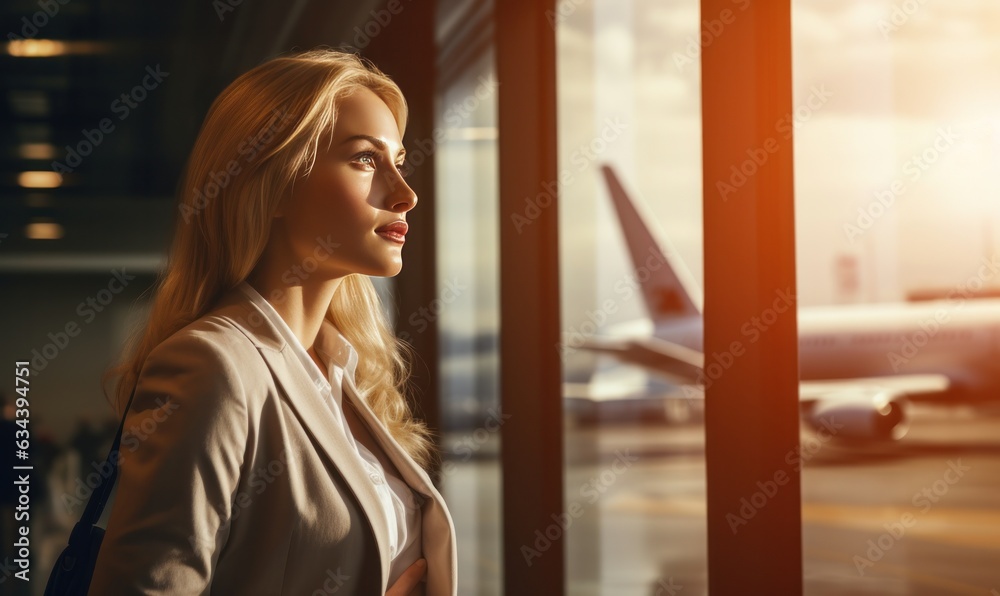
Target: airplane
(862,365)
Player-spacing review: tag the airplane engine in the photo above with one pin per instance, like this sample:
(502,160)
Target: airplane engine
(861,416)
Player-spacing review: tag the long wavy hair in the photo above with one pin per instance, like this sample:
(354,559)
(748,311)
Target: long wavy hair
(270,121)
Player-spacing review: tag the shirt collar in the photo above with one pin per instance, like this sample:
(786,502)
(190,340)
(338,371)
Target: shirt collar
(331,345)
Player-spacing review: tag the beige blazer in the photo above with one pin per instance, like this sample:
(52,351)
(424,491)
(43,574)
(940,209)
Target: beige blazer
(235,479)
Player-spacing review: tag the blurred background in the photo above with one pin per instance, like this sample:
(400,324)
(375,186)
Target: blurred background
(897,146)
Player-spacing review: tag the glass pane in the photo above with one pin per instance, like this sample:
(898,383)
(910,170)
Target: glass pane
(629,98)
(467,305)
(896,153)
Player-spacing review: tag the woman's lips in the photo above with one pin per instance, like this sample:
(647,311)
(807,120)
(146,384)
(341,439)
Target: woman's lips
(395,232)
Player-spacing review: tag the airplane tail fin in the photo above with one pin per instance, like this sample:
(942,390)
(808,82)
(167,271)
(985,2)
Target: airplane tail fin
(669,290)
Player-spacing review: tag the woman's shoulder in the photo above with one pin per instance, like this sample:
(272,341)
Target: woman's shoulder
(217,353)
(211,332)
(211,347)
(234,318)
(231,324)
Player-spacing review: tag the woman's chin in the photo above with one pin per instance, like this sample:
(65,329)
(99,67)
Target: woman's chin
(387,269)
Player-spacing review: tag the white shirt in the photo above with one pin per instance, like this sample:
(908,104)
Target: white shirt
(397,498)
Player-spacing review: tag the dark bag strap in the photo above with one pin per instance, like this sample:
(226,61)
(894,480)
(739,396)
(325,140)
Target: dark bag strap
(99,498)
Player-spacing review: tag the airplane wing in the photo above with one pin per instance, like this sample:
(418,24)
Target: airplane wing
(869,407)
(890,386)
(654,353)
(679,361)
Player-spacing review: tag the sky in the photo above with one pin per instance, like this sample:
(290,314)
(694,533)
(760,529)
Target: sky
(912,115)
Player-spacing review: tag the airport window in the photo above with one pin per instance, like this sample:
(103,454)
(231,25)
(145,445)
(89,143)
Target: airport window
(857,109)
(895,179)
(630,142)
(467,253)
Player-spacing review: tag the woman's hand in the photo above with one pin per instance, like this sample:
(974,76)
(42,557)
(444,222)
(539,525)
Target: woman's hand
(410,582)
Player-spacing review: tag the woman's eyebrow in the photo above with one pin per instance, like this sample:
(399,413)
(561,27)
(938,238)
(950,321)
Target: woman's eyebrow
(379,143)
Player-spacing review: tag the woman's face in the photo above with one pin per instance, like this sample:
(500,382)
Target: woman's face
(355,187)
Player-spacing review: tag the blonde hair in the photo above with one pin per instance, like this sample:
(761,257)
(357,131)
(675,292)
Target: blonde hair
(269,121)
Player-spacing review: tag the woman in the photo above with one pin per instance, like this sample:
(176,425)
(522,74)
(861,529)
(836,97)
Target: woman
(269,448)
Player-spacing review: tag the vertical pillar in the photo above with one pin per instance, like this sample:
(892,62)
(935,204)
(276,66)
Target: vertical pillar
(751,345)
(531,371)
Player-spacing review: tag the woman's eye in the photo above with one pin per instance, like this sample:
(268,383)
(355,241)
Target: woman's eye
(369,159)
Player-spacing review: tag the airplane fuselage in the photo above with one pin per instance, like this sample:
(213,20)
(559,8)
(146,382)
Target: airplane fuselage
(957,338)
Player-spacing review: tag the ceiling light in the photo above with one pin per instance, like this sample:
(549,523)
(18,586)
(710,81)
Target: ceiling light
(43,230)
(39,179)
(37,150)
(35,48)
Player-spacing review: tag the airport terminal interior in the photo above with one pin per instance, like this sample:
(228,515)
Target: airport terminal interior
(704,295)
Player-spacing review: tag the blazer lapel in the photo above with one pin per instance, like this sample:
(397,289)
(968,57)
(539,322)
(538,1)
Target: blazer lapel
(437,528)
(412,472)
(313,412)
